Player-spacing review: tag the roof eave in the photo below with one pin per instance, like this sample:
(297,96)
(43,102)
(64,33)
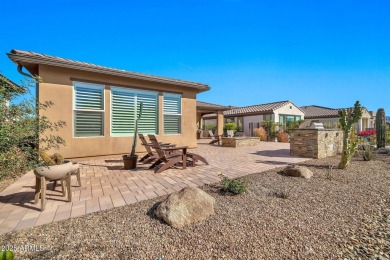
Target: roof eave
(20,58)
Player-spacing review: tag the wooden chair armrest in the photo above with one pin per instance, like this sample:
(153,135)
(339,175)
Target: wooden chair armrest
(174,148)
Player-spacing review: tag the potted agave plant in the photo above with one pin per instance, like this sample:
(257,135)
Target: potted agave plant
(130,160)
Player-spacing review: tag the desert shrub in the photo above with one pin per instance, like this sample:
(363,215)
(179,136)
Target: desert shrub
(282,137)
(283,194)
(234,186)
(23,129)
(290,125)
(13,162)
(270,129)
(368,153)
(260,132)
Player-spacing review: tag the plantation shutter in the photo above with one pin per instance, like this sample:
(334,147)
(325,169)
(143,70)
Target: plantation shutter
(123,112)
(172,114)
(88,110)
(89,98)
(88,124)
(148,122)
(125,104)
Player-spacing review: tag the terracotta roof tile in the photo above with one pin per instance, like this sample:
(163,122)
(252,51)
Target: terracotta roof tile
(20,56)
(318,111)
(253,110)
(256,109)
(201,104)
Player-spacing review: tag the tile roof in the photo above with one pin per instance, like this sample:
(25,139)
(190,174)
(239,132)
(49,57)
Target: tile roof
(19,56)
(201,104)
(318,111)
(254,110)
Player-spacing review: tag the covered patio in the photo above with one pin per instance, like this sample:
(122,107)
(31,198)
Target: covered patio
(106,185)
(203,108)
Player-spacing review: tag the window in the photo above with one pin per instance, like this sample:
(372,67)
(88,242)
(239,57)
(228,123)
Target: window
(172,113)
(88,110)
(125,108)
(267,117)
(287,121)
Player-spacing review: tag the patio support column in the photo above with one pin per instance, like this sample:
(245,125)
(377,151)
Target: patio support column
(220,122)
(199,120)
(360,125)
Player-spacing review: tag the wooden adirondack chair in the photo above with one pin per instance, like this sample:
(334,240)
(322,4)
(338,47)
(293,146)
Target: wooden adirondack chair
(150,156)
(177,155)
(215,138)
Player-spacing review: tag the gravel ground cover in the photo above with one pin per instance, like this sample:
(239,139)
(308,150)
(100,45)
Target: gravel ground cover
(335,214)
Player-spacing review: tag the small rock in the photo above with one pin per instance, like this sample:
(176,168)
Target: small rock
(185,207)
(298,171)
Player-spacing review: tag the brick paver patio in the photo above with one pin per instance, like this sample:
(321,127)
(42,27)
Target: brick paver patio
(106,185)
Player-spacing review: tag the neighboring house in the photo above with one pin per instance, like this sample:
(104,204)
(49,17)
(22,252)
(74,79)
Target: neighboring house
(330,117)
(250,117)
(100,104)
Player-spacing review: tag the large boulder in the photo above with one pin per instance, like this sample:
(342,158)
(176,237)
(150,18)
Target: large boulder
(185,207)
(298,171)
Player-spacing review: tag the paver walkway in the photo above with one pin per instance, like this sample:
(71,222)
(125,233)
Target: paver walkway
(106,185)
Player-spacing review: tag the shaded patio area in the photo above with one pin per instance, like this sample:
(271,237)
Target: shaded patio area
(106,185)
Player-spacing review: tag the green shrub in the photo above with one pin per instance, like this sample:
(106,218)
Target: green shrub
(230,126)
(211,127)
(24,128)
(270,129)
(234,186)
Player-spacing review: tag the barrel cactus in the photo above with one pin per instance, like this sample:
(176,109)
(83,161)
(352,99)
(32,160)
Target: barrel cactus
(380,128)
(46,158)
(57,158)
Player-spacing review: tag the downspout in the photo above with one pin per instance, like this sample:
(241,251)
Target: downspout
(20,70)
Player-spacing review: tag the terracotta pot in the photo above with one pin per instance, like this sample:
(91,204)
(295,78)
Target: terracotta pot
(130,162)
(54,172)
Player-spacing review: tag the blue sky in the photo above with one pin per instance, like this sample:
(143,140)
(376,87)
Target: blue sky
(327,53)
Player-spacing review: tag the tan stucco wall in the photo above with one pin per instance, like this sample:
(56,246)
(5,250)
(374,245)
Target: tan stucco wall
(57,87)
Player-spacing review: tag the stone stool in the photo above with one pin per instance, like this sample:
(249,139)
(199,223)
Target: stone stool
(54,173)
(75,171)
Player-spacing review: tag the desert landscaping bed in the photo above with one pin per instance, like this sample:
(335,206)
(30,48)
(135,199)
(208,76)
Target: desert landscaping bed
(334,214)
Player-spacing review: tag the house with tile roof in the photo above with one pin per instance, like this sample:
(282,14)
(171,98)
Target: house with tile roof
(100,104)
(250,117)
(329,117)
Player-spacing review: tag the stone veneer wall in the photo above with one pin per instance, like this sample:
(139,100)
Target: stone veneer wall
(316,143)
(240,141)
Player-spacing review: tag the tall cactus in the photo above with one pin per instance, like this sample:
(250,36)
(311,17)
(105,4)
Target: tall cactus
(380,128)
(348,118)
(136,130)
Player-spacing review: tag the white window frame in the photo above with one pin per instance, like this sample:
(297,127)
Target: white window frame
(166,94)
(74,109)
